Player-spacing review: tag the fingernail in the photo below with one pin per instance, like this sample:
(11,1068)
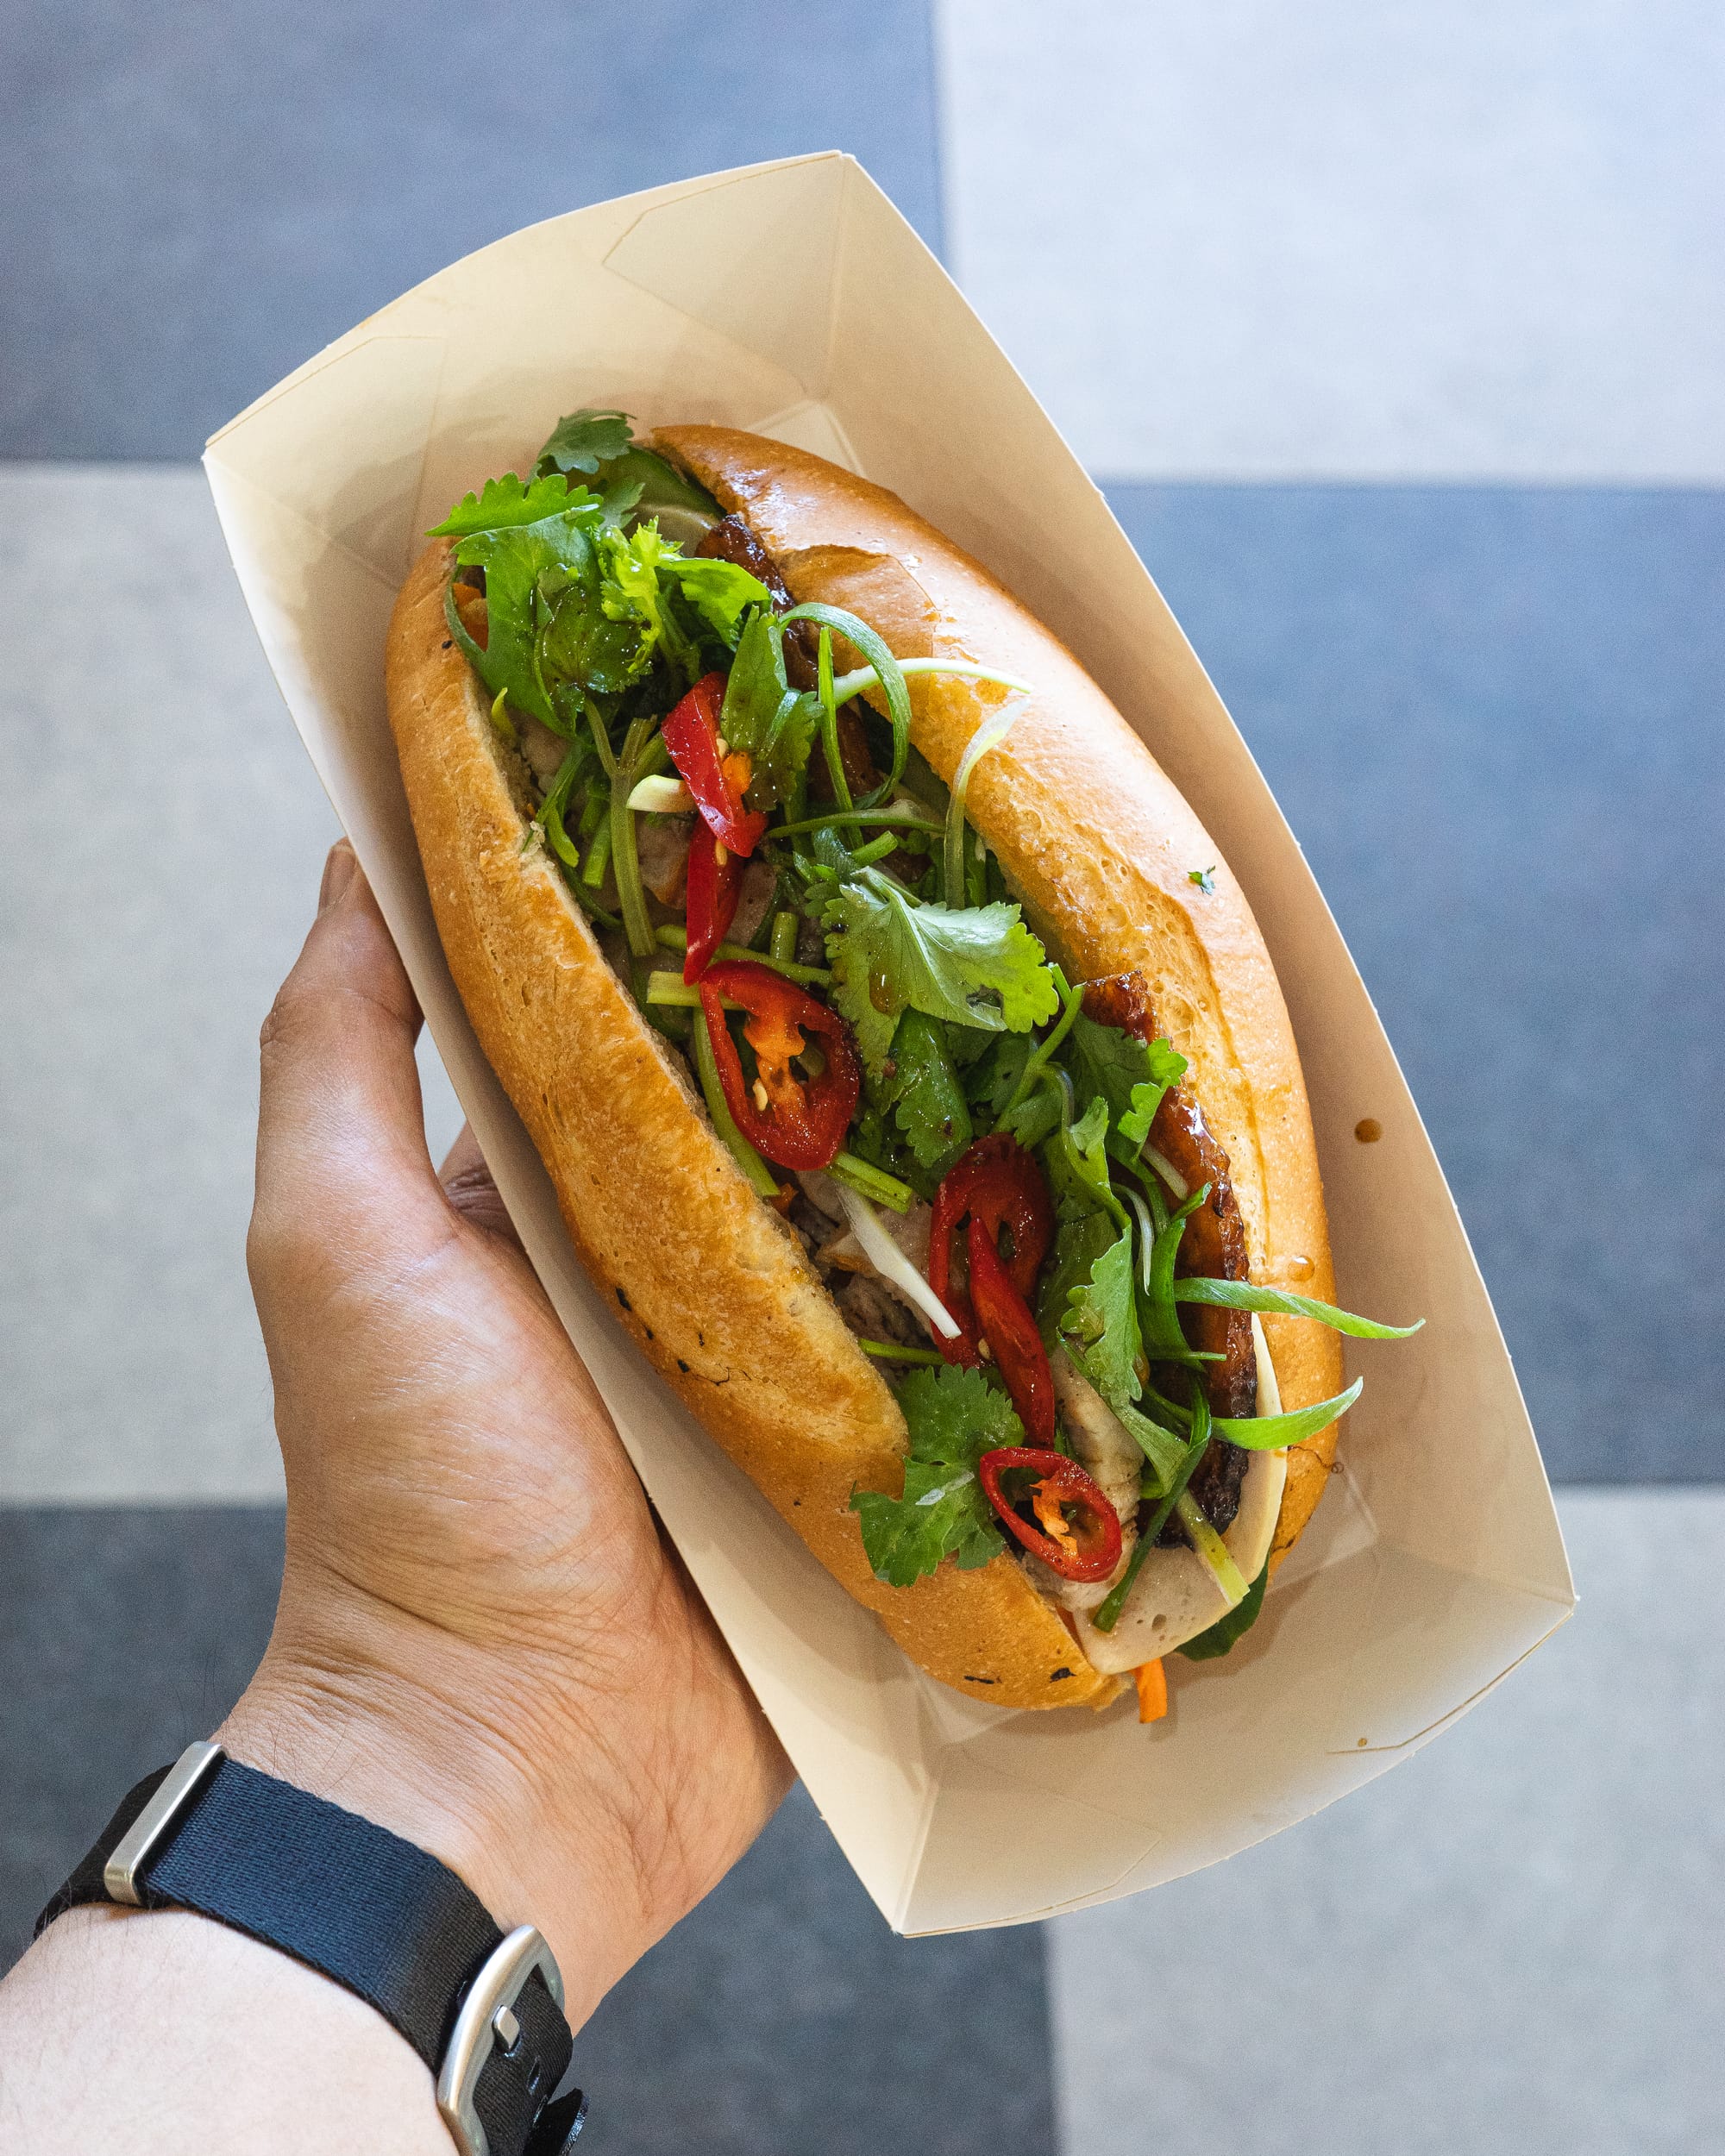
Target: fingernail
(338,874)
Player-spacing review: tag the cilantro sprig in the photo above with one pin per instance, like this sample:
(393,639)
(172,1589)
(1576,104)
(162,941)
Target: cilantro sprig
(953,1416)
(535,540)
(979,965)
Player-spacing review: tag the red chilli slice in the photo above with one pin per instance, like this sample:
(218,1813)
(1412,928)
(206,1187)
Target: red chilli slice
(1091,1547)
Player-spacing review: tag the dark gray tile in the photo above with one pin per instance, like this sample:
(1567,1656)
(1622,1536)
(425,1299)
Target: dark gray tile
(123,1635)
(200,196)
(781,2017)
(1492,717)
(784,2019)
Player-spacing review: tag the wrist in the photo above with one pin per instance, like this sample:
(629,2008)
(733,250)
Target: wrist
(480,1781)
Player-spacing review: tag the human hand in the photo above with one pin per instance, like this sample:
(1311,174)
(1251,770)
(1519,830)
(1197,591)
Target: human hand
(484,1640)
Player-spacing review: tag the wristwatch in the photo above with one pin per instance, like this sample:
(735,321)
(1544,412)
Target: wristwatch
(368,1909)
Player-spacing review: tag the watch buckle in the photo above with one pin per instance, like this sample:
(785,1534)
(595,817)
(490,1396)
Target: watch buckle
(176,1793)
(486,2022)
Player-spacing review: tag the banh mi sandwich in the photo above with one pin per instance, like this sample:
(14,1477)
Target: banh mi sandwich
(909,1068)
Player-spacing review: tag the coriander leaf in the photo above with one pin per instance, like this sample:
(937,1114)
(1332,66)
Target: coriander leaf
(1089,1220)
(1229,1625)
(599,443)
(928,1103)
(991,1079)
(630,593)
(508,501)
(1130,1075)
(968,1044)
(1204,877)
(1077,1163)
(956,1415)
(553,554)
(978,966)
(1101,1316)
(1160,1320)
(1083,1233)
(582,441)
(579,643)
(953,1417)
(1035,1115)
(721,592)
(939,1515)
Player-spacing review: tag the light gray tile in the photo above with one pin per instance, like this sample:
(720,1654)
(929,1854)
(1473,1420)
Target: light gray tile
(1250,239)
(163,835)
(1510,1944)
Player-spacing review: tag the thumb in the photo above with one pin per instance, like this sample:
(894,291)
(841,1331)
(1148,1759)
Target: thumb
(339,1107)
(468,1185)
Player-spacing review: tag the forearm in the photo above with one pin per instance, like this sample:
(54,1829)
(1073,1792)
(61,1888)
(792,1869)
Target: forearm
(157,2031)
(148,2030)
(482,1643)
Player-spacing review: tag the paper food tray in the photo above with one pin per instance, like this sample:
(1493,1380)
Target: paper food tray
(792,299)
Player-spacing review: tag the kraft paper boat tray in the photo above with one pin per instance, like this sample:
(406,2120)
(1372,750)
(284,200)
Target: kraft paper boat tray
(792,298)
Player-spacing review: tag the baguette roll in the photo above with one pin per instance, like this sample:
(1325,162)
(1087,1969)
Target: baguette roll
(711,1282)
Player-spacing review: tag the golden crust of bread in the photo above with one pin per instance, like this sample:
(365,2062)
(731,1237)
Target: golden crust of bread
(713,1287)
(1096,838)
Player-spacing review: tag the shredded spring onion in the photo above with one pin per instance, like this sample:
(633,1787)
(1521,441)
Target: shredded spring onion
(1164,1167)
(989,735)
(891,1263)
(762,1179)
(885,1351)
(871,1182)
(865,677)
(1268,1391)
(1211,1547)
(674,937)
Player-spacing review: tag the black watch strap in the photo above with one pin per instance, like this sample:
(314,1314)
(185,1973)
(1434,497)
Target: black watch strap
(366,1909)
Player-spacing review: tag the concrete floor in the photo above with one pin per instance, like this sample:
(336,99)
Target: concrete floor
(1249,240)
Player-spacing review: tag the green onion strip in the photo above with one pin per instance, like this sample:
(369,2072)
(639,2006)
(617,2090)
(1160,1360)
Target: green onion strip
(989,735)
(1211,1547)
(1163,1339)
(829,727)
(631,899)
(866,678)
(760,1177)
(1037,1060)
(1241,1294)
(674,938)
(873,646)
(899,819)
(869,1182)
(884,1351)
